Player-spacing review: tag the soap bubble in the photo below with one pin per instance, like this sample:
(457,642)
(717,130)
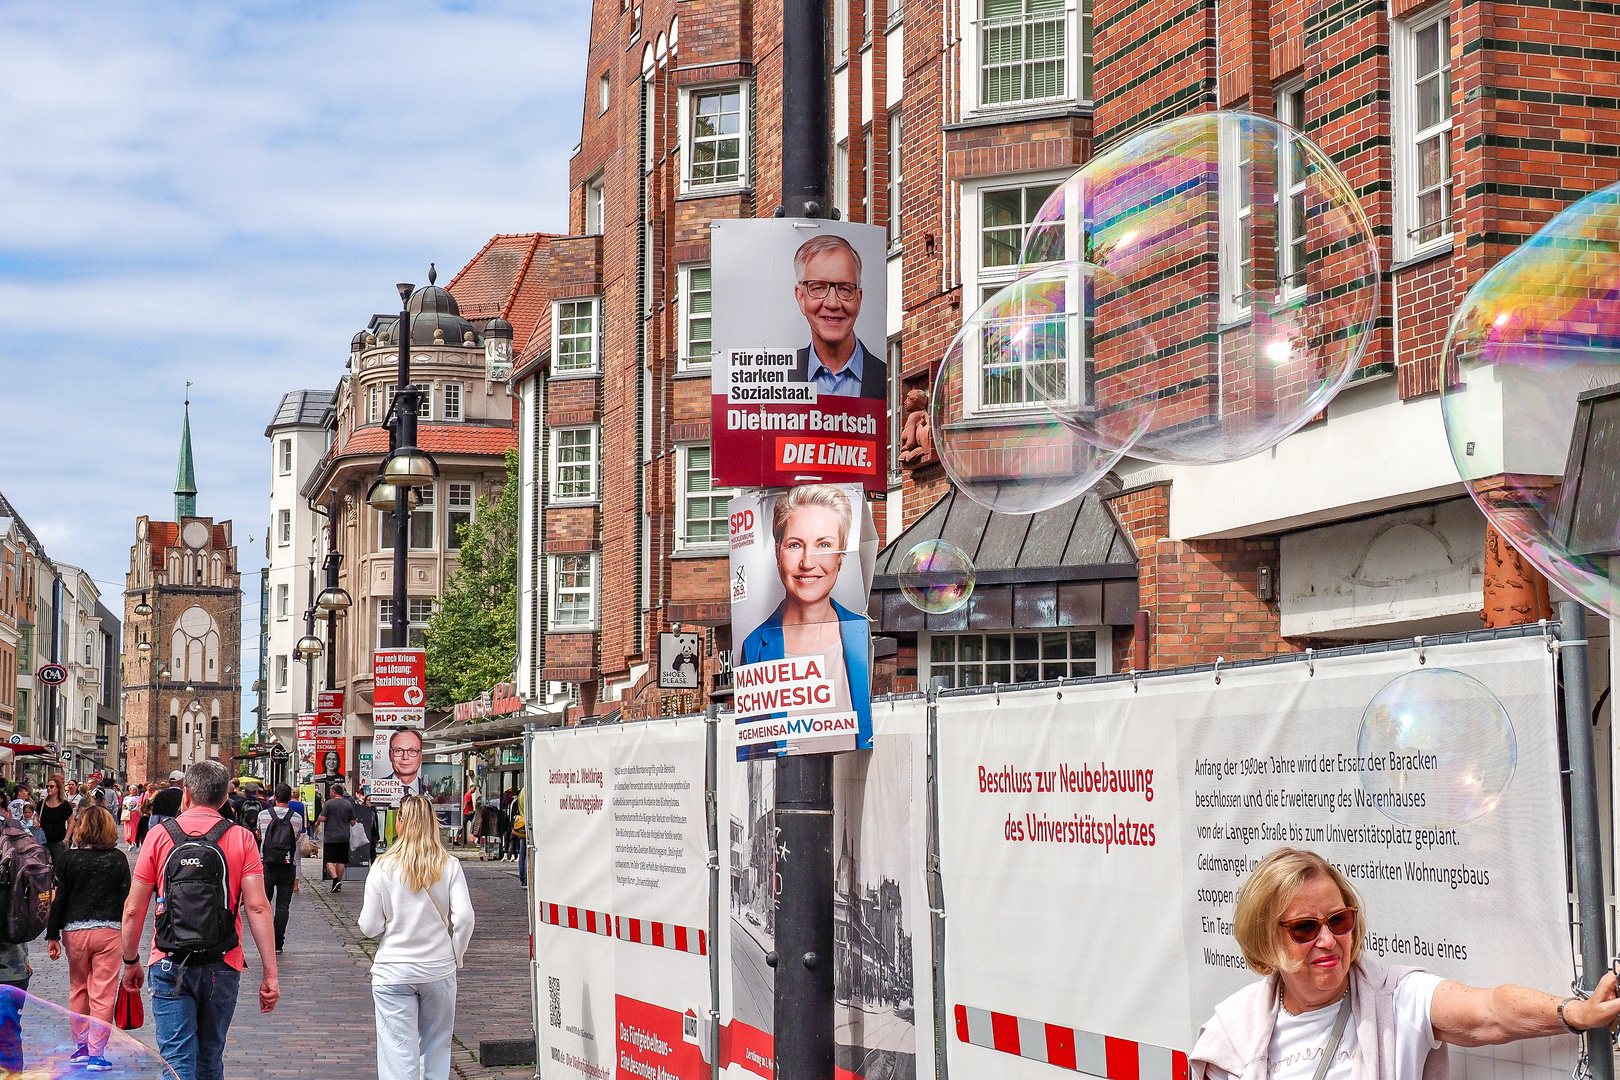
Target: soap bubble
(936,576)
(1245,256)
(47,1035)
(1436,748)
(1532,361)
(1067,334)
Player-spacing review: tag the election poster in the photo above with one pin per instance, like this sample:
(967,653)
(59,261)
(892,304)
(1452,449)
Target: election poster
(308,758)
(799,379)
(399,694)
(396,765)
(1095,839)
(801,571)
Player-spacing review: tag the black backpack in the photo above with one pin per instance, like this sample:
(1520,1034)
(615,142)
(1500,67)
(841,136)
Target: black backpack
(248,815)
(26,881)
(196,923)
(279,840)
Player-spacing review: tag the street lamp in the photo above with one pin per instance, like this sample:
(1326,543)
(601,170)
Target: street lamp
(143,609)
(333,600)
(382,496)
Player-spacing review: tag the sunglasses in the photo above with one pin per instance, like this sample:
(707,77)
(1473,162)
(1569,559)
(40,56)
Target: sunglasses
(1305,931)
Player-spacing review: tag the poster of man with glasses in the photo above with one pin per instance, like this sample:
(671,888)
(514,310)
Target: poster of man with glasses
(799,375)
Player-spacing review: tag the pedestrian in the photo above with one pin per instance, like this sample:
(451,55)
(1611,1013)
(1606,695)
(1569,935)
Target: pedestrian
(19,796)
(30,821)
(1300,925)
(236,799)
(489,826)
(366,815)
(132,813)
(521,830)
(194,989)
(92,883)
(14,976)
(166,803)
(301,808)
(418,908)
(337,814)
(281,826)
(145,822)
(53,817)
(71,792)
(254,803)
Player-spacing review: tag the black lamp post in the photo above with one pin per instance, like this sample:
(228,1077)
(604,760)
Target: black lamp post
(335,602)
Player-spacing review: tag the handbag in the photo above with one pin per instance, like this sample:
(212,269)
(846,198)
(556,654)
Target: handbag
(357,835)
(128,1012)
(307,848)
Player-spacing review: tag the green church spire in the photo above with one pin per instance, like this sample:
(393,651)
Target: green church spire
(185,481)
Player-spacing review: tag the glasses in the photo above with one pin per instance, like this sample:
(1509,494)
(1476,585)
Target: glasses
(1305,931)
(403,751)
(847,290)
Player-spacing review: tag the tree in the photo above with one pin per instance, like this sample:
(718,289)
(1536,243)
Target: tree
(472,637)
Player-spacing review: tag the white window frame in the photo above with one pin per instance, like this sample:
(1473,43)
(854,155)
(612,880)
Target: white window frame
(689,362)
(415,627)
(897,128)
(284,449)
(1290,107)
(925,649)
(424,407)
(554,483)
(1076,63)
(444,401)
(745,92)
(281,672)
(595,336)
(1236,218)
(283,528)
(840,192)
(453,508)
(554,581)
(1403,111)
(283,602)
(595,204)
(977,280)
(604,93)
(840,16)
(683,461)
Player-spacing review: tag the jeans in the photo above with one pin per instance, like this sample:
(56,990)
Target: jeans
(414,1025)
(94,966)
(192,1008)
(12,996)
(278,883)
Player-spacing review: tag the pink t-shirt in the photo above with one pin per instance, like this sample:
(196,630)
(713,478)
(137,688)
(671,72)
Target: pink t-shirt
(241,860)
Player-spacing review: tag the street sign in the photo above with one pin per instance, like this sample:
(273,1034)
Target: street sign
(15,739)
(52,674)
(399,691)
(52,750)
(679,665)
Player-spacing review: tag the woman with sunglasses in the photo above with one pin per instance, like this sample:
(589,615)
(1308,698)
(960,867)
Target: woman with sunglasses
(1300,925)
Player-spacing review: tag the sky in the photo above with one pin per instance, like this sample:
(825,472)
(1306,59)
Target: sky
(223,194)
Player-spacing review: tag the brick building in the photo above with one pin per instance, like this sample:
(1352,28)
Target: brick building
(1459,129)
(183,649)
(26,572)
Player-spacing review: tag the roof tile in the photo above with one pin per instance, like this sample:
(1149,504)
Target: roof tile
(438,439)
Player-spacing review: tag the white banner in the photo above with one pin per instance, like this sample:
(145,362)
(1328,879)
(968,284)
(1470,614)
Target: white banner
(1093,841)
(620,892)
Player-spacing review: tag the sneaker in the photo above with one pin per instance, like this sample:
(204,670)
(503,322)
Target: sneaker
(97,1064)
(337,886)
(79,1056)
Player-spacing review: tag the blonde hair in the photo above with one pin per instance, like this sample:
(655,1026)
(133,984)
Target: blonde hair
(1271,887)
(417,854)
(824,495)
(96,829)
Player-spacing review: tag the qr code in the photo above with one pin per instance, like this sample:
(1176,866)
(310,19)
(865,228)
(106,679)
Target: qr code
(555,986)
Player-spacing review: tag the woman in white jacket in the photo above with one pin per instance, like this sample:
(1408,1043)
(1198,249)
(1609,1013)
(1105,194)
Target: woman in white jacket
(417,906)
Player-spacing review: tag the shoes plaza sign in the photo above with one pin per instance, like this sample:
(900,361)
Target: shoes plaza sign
(501,701)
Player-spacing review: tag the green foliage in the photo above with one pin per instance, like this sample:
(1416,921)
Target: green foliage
(472,637)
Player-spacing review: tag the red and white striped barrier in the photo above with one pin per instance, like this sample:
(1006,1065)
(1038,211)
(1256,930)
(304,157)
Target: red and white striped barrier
(660,935)
(1081,1051)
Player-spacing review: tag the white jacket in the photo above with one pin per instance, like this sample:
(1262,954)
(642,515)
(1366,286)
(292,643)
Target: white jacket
(409,928)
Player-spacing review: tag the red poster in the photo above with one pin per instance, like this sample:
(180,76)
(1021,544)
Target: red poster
(399,694)
(657,1042)
(799,380)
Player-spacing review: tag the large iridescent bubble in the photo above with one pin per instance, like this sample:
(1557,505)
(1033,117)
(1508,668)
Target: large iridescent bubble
(1436,748)
(38,1039)
(1053,345)
(1250,274)
(1531,396)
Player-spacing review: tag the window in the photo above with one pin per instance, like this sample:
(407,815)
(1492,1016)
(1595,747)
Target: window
(604,87)
(896,131)
(1005,217)
(281,672)
(635,27)
(458,514)
(1422,113)
(575,335)
(423,403)
(283,601)
(283,527)
(697,334)
(573,580)
(716,136)
(1021,657)
(374,406)
(285,449)
(573,464)
(1291,166)
(421,535)
(869,167)
(450,401)
(840,31)
(419,611)
(703,507)
(841,179)
(595,205)
(1236,197)
(1024,52)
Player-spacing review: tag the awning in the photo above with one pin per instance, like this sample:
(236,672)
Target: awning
(479,732)
(1073,565)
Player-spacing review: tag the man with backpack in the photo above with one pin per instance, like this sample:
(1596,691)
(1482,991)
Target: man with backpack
(206,872)
(251,809)
(26,881)
(281,826)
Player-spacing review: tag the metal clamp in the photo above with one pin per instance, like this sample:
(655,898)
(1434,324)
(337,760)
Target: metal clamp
(1219,660)
(1136,681)
(1310,661)
(1417,642)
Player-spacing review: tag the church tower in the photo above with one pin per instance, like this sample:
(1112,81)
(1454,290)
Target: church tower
(183,643)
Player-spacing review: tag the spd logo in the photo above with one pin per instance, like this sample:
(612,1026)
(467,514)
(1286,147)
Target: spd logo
(742,522)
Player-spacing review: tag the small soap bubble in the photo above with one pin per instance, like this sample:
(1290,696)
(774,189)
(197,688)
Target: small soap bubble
(1437,749)
(936,576)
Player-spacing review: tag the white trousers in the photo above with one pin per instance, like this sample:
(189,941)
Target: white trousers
(414,1025)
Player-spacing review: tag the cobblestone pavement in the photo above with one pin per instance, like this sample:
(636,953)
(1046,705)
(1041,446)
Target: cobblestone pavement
(323,1028)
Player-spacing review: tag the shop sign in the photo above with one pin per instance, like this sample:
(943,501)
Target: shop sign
(501,701)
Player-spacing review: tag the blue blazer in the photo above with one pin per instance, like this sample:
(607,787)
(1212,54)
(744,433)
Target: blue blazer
(766,643)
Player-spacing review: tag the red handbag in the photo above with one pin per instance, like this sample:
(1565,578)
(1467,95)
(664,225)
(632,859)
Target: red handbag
(128,1012)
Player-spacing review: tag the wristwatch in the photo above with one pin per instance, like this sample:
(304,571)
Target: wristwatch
(135,961)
